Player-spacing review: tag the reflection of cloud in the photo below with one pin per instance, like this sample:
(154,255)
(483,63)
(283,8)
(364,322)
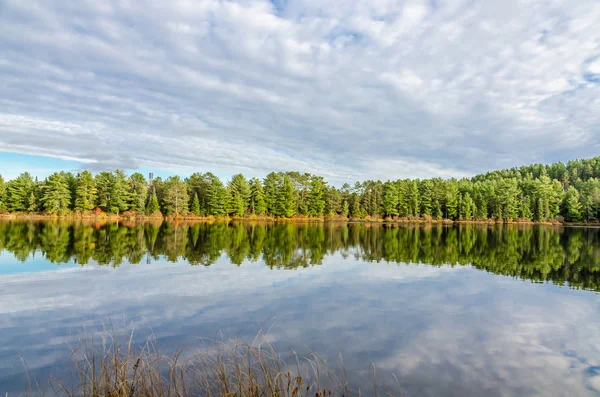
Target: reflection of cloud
(443,331)
(410,88)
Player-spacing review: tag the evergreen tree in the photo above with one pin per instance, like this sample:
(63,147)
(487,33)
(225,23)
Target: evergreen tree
(119,196)
(357,211)
(152,207)
(103,182)
(390,199)
(466,204)
(452,203)
(240,194)
(56,195)
(138,192)
(257,197)
(85,192)
(285,202)
(272,184)
(572,205)
(427,198)
(217,198)
(195,205)
(175,197)
(316,202)
(18,193)
(345,209)
(2,194)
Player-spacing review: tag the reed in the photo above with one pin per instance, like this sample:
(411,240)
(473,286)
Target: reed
(106,364)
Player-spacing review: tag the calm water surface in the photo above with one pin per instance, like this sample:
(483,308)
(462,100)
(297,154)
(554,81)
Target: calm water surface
(454,311)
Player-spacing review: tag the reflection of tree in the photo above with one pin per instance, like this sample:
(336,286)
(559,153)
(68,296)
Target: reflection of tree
(570,255)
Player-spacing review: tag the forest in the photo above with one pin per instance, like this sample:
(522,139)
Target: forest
(564,256)
(542,193)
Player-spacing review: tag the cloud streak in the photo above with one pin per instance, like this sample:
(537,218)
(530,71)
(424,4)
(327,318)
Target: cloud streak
(349,90)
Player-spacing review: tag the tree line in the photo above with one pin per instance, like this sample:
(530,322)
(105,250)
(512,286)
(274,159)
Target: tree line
(536,192)
(563,256)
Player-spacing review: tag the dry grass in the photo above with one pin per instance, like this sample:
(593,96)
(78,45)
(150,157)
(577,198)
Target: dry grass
(110,365)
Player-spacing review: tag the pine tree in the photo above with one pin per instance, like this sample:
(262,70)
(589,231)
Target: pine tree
(356,208)
(345,209)
(240,194)
(466,210)
(196,205)
(572,205)
(286,199)
(119,194)
(316,202)
(390,199)
(217,198)
(85,192)
(257,197)
(138,192)
(18,193)
(152,207)
(175,197)
(2,194)
(427,198)
(272,185)
(56,195)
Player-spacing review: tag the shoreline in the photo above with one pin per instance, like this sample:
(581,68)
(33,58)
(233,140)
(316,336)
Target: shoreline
(271,219)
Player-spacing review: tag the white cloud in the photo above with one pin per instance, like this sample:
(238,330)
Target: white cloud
(451,88)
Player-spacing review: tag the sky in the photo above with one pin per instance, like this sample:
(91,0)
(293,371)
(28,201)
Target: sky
(350,90)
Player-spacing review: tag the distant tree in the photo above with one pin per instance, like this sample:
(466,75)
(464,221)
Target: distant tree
(285,200)
(195,209)
(390,199)
(2,194)
(272,185)
(572,205)
(152,207)
(104,182)
(239,189)
(19,192)
(119,193)
(316,203)
(217,198)
(85,192)
(175,198)
(56,195)
(138,192)
(466,210)
(257,197)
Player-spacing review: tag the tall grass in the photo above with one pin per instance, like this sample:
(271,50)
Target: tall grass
(110,365)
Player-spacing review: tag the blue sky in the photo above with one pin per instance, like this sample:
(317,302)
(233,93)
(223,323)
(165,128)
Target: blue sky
(350,90)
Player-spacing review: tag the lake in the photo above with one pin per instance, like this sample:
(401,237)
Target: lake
(463,310)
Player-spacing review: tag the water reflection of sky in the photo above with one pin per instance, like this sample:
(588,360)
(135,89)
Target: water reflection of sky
(442,331)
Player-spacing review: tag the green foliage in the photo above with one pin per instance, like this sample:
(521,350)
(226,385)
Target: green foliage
(56,195)
(138,192)
(390,199)
(285,200)
(316,199)
(152,207)
(539,192)
(572,205)
(2,194)
(85,192)
(272,185)
(195,209)
(19,192)
(466,207)
(257,197)
(239,189)
(118,193)
(175,197)
(217,197)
